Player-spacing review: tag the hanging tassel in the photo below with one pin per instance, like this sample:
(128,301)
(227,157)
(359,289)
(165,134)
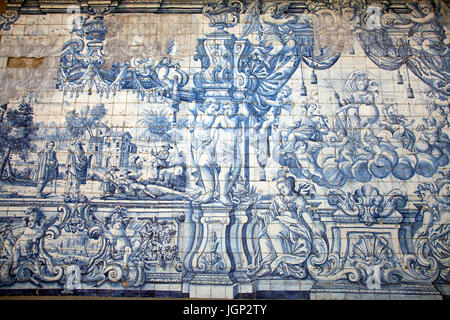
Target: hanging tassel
(313,77)
(303,87)
(303,90)
(409,90)
(399,78)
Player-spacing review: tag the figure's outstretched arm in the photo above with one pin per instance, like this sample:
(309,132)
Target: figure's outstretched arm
(415,11)
(266,18)
(428,18)
(306,214)
(427,222)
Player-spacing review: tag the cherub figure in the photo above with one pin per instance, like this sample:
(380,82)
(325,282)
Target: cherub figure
(22,243)
(78,26)
(438,106)
(395,129)
(123,237)
(432,237)
(431,139)
(427,34)
(434,198)
(306,160)
(272,26)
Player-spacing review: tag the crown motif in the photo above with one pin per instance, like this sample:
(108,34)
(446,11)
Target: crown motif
(95,29)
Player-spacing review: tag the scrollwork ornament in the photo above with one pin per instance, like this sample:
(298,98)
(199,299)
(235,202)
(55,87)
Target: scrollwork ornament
(331,268)
(114,248)
(431,245)
(371,251)
(367,203)
(8,18)
(212,260)
(86,70)
(26,273)
(114,272)
(179,266)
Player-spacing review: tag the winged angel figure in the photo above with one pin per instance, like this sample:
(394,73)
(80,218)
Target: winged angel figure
(20,241)
(124,237)
(276,54)
(426,51)
(429,27)
(272,25)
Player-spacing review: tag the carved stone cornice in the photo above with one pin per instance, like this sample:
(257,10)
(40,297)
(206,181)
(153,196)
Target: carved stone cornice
(89,6)
(155,6)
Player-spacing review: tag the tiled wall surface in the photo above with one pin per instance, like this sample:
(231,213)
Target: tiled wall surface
(248,149)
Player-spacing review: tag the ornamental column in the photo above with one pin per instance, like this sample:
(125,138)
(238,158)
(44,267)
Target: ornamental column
(216,263)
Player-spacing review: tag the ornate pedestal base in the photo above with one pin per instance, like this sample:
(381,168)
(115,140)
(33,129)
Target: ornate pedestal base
(217,261)
(211,286)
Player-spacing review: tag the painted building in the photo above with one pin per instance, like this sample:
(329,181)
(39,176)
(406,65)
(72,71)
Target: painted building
(314,135)
(110,148)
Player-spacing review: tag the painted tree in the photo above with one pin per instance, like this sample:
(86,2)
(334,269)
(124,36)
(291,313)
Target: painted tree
(157,124)
(18,131)
(77,123)
(52,132)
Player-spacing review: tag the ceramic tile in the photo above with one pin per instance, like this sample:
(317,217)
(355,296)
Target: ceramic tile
(236,153)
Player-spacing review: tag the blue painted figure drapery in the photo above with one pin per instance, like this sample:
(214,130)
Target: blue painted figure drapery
(286,238)
(47,167)
(76,168)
